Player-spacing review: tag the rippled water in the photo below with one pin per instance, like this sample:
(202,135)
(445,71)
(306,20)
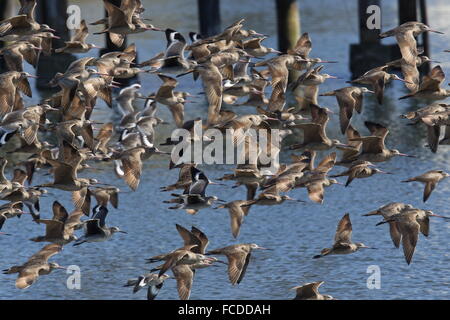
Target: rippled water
(295,231)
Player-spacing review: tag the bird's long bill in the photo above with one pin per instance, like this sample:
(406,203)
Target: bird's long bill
(185,73)
(327,61)
(220,261)
(5,234)
(439,216)
(31,76)
(122,231)
(406,155)
(385,172)
(435,31)
(61,267)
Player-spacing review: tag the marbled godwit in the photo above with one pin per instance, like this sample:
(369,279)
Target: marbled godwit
(237,213)
(152,280)
(409,223)
(77,43)
(410,71)
(166,96)
(15,54)
(377,79)
(342,240)
(315,136)
(430,179)
(96,229)
(181,256)
(212,84)
(359,171)
(13,28)
(373,147)
(310,291)
(11,83)
(405,34)
(256,49)
(349,99)
(387,211)
(60,228)
(36,266)
(30,197)
(430,87)
(10,210)
(238,256)
(120,22)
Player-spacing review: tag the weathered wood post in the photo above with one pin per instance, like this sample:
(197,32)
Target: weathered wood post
(425,68)
(288,25)
(209,17)
(369,52)
(3,6)
(53,13)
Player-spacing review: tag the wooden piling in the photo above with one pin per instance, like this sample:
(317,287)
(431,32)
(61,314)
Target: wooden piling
(369,52)
(288,24)
(209,17)
(53,13)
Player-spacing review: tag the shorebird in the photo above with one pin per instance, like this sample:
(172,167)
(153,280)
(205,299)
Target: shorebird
(377,79)
(121,22)
(373,147)
(405,34)
(256,49)
(11,83)
(410,71)
(10,210)
(237,213)
(29,197)
(13,28)
(126,97)
(349,99)
(152,280)
(310,291)
(77,43)
(195,198)
(359,171)
(387,211)
(342,240)
(16,53)
(173,61)
(238,256)
(408,224)
(315,136)
(212,84)
(61,227)
(430,179)
(96,229)
(430,87)
(36,266)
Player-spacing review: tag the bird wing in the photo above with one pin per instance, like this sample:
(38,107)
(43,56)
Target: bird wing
(81,33)
(59,212)
(408,46)
(184,276)
(237,264)
(344,230)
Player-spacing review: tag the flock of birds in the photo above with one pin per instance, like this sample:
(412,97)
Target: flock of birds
(231,66)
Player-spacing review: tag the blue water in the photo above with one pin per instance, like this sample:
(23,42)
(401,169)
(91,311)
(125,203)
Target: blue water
(295,231)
